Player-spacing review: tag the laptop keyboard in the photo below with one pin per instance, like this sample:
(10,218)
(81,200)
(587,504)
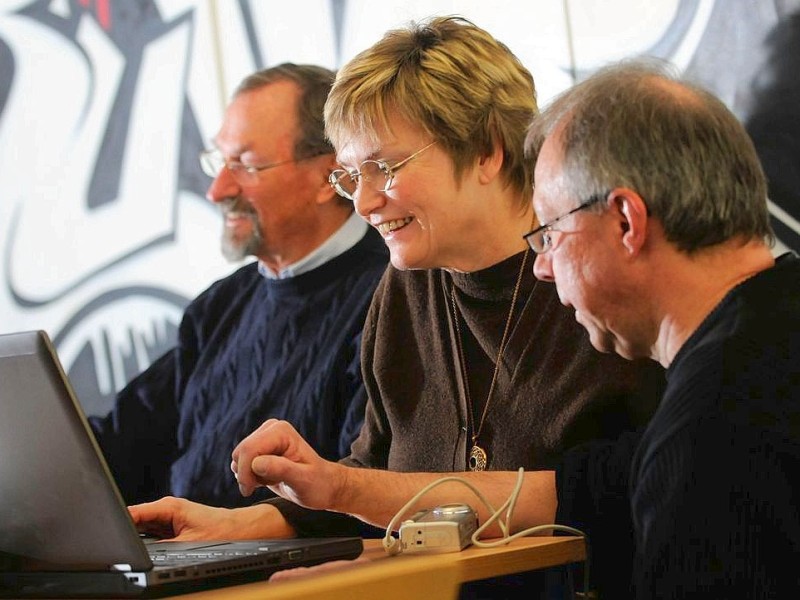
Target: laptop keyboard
(177,558)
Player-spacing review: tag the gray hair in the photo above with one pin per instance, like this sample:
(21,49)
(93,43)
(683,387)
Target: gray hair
(678,146)
(315,84)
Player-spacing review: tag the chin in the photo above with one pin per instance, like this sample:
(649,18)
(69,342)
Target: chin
(403,266)
(608,344)
(630,352)
(237,248)
(405,263)
(625,353)
(600,342)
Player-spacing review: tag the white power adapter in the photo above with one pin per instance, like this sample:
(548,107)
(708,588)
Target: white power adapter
(446,528)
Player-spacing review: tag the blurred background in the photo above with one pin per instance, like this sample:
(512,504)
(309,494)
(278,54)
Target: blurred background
(105,105)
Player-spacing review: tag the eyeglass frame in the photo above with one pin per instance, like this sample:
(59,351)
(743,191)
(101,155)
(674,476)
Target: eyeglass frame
(548,227)
(236,167)
(388,171)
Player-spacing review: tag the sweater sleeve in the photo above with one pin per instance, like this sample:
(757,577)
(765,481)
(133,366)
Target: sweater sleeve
(140,464)
(139,436)
(322,523)
(353,419)
(592,483)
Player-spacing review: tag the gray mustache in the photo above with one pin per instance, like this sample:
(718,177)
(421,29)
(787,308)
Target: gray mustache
(236,205)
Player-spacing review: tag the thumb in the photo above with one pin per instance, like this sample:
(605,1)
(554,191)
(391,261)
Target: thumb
(269,469)
(259,466)
(280,472)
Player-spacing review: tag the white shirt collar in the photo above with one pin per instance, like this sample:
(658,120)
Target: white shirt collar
(347,236)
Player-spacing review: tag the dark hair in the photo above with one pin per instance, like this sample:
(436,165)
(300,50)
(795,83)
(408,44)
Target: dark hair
(315,84)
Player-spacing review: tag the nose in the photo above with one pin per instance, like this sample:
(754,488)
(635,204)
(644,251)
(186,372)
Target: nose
(223,186)
(367,200)
(543,267)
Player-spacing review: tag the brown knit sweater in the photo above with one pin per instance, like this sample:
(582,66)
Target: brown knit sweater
(553,389)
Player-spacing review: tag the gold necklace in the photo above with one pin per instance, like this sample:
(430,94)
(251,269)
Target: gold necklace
(478,459)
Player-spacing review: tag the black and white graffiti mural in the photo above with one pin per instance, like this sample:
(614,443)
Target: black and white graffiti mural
(105,229)
(105,105)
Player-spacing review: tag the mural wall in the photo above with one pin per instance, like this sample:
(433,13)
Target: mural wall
(105,105)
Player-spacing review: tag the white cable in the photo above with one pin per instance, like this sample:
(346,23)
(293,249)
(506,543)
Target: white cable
(392,546)
(390,543)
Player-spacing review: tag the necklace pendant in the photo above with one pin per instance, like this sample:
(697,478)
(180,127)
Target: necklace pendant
(477,458)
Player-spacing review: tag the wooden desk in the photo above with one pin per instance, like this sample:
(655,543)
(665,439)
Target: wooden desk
(429,576)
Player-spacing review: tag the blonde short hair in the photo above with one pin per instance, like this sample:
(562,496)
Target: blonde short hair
(459,84)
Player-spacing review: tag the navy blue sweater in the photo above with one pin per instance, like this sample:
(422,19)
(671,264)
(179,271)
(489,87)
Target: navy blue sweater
(249,348)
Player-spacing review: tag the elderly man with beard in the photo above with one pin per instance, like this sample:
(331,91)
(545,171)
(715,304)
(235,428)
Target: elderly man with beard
(278,338)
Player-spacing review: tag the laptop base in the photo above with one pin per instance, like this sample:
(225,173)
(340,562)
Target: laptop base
(77,584)
(63,523)
(108,585)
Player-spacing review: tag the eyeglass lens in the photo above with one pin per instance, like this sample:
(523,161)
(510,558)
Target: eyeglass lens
(212,162)
(372,172)
(539,241)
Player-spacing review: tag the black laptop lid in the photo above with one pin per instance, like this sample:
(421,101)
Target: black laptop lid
(59,508)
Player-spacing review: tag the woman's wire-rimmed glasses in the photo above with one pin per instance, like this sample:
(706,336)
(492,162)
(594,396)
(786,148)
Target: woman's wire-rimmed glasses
(346,182)
(541,239)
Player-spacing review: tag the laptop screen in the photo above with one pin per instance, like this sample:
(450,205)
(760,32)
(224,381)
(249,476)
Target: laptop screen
(60,508)
(64,528)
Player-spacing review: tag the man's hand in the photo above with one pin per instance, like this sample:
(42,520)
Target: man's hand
(179,519)
(276,456)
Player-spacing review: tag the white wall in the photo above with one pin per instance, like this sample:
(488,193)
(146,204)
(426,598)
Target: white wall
(106,234)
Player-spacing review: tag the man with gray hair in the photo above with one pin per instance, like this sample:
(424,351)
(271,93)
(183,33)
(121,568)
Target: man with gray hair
(654,227)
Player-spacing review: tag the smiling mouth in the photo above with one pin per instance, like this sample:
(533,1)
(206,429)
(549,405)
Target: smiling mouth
(235,209)
(388,227)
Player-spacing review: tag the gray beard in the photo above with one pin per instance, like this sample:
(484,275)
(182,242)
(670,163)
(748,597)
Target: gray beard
(233,249)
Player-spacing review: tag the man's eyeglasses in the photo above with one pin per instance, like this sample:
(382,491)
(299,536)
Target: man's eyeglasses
(541,239)
(212,163)
(377,172)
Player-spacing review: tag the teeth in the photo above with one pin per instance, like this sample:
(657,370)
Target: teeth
(390,226)
(236,214)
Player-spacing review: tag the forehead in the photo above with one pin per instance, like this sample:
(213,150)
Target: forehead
(398,135)
(260,118)
(549,196)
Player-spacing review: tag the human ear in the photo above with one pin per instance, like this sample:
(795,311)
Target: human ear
(325,191)
(630,210)
(489,165)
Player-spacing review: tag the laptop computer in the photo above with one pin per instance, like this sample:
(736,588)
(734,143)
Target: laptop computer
(64,527)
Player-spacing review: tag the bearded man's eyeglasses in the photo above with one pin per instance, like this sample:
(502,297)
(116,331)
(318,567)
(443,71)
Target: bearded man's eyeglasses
(212,162)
